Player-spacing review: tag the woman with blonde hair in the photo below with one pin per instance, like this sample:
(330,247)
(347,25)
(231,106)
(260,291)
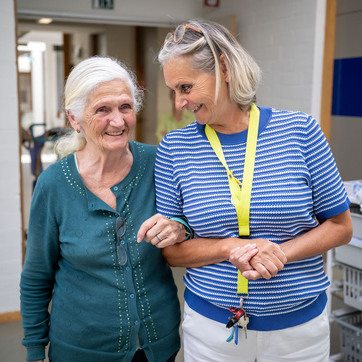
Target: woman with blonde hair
(246,174)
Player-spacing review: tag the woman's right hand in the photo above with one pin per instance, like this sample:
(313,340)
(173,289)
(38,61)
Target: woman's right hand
(264,264)
(161,231)
(242,255)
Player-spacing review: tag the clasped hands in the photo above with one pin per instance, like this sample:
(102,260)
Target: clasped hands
(259,259)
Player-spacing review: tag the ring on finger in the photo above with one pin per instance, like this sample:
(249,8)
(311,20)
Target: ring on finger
(158,237)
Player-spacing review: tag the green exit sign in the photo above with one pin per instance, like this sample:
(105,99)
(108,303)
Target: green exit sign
(103,4)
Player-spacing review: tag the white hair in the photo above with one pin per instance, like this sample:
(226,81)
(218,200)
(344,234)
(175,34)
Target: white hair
(83,78)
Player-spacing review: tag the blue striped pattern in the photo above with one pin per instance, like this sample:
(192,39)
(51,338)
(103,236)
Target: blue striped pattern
(295,181)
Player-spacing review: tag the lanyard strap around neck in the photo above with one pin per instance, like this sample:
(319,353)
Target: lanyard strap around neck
(240,192)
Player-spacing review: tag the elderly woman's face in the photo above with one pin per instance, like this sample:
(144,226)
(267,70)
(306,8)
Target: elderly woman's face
(195,91)
(109,117)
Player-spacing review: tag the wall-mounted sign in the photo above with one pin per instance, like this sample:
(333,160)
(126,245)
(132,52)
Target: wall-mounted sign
(347,91)
(102,4)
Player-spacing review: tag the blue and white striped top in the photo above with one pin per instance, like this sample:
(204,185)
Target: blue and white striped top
(296,182)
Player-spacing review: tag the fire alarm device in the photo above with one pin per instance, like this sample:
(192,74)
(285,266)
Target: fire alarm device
(211,3)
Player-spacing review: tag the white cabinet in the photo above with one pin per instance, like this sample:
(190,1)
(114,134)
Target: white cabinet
(349,259)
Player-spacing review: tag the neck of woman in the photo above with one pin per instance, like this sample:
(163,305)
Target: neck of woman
(235,121)
(105,168)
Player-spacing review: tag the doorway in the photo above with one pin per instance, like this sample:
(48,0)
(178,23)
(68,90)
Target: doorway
(45,57)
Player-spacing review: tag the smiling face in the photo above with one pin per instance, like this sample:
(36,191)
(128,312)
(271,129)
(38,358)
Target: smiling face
(109,117)
(195,91)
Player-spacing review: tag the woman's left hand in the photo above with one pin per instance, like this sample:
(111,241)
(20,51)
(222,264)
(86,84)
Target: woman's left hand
(161,231)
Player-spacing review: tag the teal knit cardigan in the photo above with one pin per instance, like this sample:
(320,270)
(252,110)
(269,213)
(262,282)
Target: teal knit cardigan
(99,311)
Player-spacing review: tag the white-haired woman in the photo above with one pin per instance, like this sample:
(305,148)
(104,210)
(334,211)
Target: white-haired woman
(113,296)
(246,174)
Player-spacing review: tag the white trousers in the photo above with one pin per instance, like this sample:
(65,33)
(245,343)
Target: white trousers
(204,340)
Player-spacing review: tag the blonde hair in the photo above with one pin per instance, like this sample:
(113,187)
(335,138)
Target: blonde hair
(205,48)
(83,78)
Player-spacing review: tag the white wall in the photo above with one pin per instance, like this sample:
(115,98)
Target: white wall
(10,219)
(121,43)
(286,38)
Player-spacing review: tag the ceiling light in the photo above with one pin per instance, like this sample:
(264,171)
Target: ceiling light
(45,21)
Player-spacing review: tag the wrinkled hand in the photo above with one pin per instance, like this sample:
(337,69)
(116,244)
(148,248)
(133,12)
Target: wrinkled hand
(264,264)
(161,231)
(242,255)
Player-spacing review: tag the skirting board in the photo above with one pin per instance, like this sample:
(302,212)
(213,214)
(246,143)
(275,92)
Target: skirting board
(10,317)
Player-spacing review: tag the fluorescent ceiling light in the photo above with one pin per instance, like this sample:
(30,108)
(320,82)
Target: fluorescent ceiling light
(45,21)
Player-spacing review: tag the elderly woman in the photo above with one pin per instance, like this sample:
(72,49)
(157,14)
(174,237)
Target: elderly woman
(113,297)
(246,174)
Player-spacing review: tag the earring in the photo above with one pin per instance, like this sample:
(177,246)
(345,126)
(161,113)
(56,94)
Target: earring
(78,130)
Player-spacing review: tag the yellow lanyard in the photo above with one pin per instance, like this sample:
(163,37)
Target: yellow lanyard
(240,192)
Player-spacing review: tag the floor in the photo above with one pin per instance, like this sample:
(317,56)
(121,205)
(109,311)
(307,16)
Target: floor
(11,349)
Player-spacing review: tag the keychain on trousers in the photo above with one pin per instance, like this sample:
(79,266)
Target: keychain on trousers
(238,319)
